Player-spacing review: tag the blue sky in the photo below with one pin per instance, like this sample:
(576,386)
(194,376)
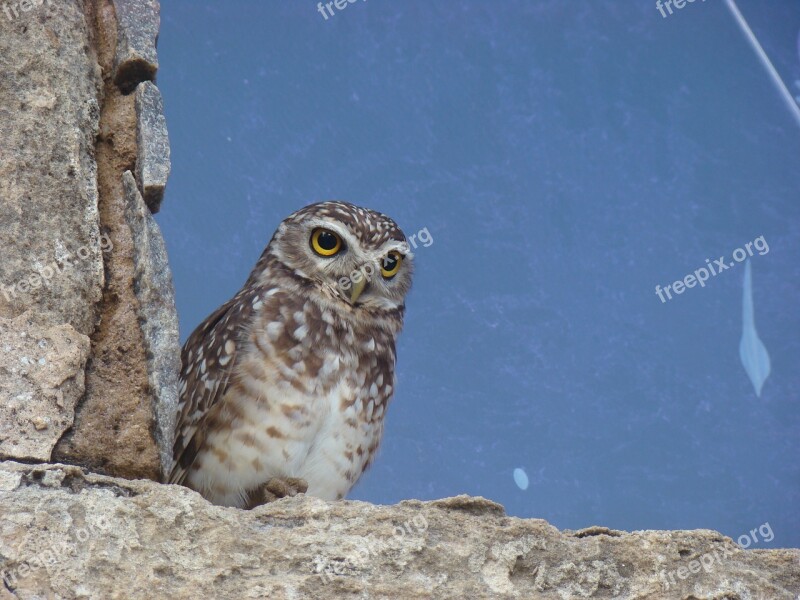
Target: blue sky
(566,159)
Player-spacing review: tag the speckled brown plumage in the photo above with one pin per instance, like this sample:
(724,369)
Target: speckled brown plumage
(291,378)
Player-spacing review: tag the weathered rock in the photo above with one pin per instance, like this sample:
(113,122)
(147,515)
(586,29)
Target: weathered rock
(56,185)
(114,430)
(41,380)
(157,316)
(137,34)
(49,111)
(152,141)
(68,534)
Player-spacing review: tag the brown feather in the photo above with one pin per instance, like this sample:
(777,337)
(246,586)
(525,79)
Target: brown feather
(207,344)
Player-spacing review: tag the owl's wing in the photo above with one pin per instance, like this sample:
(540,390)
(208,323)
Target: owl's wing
(208,359)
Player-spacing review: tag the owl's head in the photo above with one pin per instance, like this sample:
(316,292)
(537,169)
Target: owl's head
(354,255)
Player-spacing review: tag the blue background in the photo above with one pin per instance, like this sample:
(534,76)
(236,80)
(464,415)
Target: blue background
(566,157)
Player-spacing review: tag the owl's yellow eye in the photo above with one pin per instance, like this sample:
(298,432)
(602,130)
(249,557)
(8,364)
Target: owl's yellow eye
(390,265)
(325,243)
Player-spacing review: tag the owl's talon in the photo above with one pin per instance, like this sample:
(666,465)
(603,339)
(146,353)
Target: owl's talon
(277,488)
(285,488)
(300,486)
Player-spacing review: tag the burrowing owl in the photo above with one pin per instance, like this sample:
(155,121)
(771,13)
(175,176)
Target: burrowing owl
(286,385)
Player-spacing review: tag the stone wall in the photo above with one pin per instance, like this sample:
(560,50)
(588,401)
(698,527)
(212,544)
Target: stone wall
(89,360)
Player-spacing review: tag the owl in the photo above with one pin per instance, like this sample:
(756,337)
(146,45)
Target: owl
(284,388)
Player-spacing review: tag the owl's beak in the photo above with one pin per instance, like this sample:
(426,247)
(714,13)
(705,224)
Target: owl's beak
(357,289)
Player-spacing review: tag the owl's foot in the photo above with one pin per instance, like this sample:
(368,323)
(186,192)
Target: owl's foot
(276,488)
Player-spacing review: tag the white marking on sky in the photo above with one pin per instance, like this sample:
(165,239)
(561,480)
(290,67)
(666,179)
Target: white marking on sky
(521,478)
(752,351)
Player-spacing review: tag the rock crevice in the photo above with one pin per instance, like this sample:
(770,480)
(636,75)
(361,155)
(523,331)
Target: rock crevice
(70,128)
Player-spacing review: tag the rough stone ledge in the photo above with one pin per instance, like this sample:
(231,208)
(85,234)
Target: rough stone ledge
(41,380)
(152,143)
(158,317)
(137,34)
(66,533)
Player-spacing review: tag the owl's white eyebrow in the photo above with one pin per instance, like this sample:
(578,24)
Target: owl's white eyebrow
(403,247)
(335,227)
(391,244)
